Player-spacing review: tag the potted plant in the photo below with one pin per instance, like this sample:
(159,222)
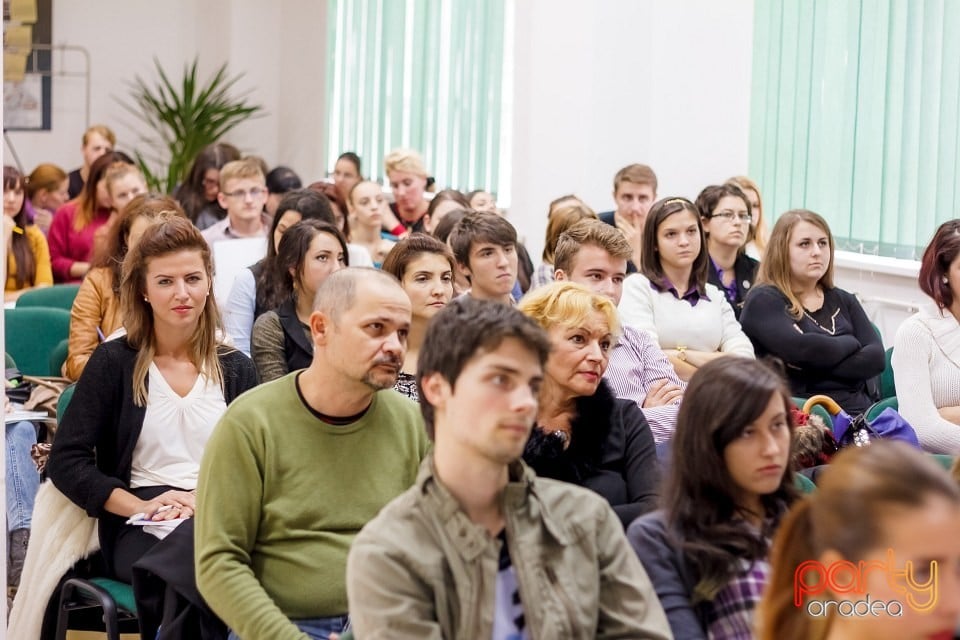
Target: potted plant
(182,119)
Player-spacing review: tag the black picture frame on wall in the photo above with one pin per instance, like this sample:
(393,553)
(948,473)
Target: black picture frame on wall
(27,103)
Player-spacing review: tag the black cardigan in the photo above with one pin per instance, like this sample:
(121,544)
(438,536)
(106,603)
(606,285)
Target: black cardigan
(744,273)
(93,449)
(836,355)
(611,452)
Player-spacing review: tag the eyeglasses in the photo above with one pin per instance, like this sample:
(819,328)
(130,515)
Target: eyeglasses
(210,182)
(256,192)
(730,215)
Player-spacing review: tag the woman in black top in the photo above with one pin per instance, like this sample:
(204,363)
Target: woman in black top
(726,215)
(585,435)
(819,331)
(129,444)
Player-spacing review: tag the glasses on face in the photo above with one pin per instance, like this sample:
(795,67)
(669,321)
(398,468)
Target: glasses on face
(730,215)
(210,182)
(256,192)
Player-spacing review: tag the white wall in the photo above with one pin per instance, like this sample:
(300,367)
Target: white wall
(604,84)
(279,47)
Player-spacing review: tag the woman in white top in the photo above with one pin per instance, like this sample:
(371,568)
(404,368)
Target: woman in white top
(132,437)
(670,297)
(926,354)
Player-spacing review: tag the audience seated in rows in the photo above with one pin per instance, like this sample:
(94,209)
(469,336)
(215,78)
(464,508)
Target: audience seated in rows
(819,331)
(297,466)
(480,546)
(671,299)
(308,253)
(583,433)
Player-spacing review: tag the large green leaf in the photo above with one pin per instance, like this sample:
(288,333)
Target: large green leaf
(182,117)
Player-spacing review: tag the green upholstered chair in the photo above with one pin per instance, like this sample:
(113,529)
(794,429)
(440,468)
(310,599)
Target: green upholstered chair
(888,389)
(32,336)
(59,296)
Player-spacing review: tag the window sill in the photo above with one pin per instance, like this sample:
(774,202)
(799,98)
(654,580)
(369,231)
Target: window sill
(876,264)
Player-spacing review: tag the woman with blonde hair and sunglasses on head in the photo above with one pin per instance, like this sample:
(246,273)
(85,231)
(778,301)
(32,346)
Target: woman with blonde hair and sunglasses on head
(873,553)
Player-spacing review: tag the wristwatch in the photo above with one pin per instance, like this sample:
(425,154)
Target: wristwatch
(681,353)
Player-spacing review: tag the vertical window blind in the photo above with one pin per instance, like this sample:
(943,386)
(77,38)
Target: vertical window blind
(855,109)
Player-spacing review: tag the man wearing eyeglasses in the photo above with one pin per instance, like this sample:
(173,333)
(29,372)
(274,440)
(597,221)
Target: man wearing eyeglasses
(243,193)
(726,215)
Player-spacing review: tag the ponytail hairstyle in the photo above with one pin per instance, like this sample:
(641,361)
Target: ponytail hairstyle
(700,493)
(168,234)
(846,515)
(23,256)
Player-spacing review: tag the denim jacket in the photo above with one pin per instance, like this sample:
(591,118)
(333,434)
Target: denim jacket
(423,569)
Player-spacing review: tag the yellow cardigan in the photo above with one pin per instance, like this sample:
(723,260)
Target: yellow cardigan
(96,306)
(41,256)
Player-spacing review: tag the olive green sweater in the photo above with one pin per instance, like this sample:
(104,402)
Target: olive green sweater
(281,496)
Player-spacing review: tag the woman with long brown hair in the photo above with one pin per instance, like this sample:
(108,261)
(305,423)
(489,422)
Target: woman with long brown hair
(818,330)
(129,444)
(730,483)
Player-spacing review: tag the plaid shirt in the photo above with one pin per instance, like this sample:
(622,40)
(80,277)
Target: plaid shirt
(729,615)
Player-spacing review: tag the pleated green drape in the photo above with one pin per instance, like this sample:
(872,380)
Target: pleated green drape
(424,74)
(854,114)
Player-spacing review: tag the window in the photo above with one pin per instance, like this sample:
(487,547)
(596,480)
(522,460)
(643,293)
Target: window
(432,75)
(854,114)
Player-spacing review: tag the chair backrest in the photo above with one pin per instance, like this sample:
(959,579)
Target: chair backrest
(888,387)
(32,334)
(59,296)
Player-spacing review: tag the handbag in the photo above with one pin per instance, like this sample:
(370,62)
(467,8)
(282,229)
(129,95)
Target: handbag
(857,431)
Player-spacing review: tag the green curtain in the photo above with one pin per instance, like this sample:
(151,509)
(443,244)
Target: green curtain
(424,74)
(854,114)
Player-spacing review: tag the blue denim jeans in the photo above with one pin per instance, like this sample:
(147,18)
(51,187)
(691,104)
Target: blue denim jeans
(316,628)
(23,480)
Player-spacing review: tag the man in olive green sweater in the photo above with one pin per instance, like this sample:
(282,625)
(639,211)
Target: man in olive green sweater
(297,466)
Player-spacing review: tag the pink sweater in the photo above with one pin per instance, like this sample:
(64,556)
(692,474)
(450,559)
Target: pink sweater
(68,246)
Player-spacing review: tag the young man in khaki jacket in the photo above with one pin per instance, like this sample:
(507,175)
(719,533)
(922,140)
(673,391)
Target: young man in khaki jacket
(480,547)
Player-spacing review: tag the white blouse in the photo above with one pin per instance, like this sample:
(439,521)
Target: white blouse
(708,326)
(175,432)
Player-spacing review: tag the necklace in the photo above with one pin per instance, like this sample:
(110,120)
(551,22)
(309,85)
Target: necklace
(833,321)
